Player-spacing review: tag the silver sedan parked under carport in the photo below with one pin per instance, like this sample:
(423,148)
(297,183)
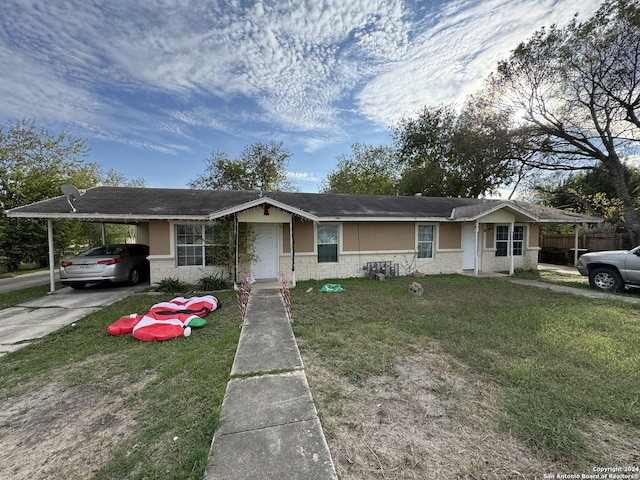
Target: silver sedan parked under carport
(117,263)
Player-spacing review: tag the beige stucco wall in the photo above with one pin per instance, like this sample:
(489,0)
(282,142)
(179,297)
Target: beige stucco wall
(142,233)
(304,233)
(159,237)
(361,242)
(286,238)
(489,238)
(449,236)
(534,235)
(498,217)
(374,236)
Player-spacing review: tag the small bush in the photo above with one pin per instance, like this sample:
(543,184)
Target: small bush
(212,282)
(171,285)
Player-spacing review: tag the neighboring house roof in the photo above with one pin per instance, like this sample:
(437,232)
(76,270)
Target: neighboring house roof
(128,204)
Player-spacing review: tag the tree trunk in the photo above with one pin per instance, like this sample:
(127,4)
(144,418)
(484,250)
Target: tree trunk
(631,220)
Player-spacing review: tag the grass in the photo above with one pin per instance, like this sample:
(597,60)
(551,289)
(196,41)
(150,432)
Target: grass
(24,268)
(558,278)
(560,360)
(168,389)
(16,297)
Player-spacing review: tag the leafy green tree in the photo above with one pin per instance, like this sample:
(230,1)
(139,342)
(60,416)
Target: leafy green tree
(33,165)
(591,193)
(367,170)
(575,93)
(446,154)
(260,165)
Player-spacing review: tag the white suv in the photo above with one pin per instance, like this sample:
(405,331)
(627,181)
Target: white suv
(611,271)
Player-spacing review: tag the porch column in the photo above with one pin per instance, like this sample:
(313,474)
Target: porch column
(511,266)
(52,273)
(104,234)
(575,244)
(476,268)
(235,241)
(293,252)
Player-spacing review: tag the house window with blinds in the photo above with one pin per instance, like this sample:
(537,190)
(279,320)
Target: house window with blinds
(425,241)
(327,243)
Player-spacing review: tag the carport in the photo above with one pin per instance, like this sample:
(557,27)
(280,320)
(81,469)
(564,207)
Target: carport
(142,233)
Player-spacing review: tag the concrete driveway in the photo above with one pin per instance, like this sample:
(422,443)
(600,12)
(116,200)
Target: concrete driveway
(39,317)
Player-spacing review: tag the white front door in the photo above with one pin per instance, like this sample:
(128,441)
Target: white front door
(265,248)
(468,246)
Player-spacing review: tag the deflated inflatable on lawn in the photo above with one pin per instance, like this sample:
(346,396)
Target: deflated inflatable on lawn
(166,320)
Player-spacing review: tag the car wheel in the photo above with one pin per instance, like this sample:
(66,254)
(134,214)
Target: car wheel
(134,276)
(605,279)
(77,286)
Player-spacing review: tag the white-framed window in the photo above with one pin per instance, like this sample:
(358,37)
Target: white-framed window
(202,245)
(327,243)
(426,236)
(502,240)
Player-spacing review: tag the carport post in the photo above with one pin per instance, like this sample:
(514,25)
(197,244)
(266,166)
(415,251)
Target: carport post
(292,247)
(236,255)
(52,275)
(575,242)
(512,259)
(476,267)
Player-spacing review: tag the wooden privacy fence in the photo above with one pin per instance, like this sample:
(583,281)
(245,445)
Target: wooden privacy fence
(592,242)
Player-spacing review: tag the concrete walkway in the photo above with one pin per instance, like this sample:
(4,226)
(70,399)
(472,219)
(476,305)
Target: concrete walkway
(269,427)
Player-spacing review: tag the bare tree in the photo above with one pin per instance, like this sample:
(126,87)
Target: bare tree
(573,93)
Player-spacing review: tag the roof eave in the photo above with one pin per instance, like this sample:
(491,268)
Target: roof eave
(382,219)
(572,220)
(493,209)
(98,217)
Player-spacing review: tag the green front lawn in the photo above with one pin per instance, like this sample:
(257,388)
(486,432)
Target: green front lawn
(560,361)
(156,404)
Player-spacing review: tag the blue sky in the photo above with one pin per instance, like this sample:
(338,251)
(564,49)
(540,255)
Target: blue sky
(154,86)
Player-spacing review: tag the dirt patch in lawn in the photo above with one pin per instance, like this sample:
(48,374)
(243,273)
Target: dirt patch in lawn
(59,431)
(435,419)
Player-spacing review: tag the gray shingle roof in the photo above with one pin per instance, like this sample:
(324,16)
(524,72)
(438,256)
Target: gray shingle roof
(139,204)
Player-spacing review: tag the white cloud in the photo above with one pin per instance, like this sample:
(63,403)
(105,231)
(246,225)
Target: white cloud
(455,49)
(297,62)
(123,69)
(303,176)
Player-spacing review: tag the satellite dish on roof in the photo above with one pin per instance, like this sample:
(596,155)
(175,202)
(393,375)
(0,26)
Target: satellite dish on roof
(72,194)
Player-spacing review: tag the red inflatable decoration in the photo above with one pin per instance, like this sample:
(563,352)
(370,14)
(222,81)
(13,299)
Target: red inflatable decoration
(166,320)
